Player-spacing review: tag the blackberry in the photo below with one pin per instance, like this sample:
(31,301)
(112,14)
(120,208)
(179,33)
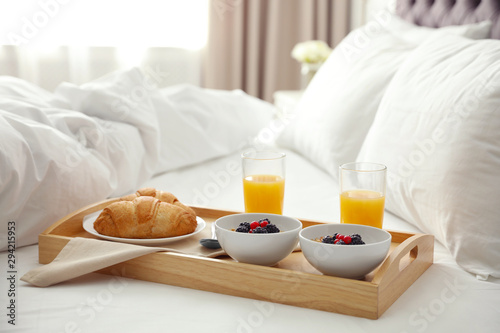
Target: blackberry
(266,219)
(340,242)
(328,239)
(272,228)
(260,230)
(243,227)
(356,240)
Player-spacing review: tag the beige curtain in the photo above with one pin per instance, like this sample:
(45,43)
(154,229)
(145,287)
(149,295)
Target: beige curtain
(250,41)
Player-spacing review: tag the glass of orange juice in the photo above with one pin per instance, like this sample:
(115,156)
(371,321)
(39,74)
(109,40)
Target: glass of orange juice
(362,193)
(263,181)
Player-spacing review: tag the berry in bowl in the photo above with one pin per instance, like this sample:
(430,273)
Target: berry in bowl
(258,238)
(344,250)
(262,226)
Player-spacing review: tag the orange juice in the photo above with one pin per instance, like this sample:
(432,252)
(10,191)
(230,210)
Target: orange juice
(264,194)
(362,207)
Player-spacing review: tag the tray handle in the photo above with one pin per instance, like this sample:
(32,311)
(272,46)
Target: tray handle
(413,254)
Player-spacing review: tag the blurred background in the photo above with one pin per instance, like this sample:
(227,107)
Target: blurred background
(221,44)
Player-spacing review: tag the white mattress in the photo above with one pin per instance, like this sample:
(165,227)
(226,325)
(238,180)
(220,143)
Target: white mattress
(444,299)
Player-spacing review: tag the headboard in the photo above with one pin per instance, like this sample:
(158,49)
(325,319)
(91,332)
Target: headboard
(439,13)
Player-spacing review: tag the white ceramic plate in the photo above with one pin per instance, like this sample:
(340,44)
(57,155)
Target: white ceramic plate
(88,225)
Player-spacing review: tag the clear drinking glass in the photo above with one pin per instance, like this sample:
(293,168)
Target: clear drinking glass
(263,181)
(362,193)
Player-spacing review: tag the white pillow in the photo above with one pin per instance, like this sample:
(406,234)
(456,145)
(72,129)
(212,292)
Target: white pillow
(338,107)
(198,124)
(438,132)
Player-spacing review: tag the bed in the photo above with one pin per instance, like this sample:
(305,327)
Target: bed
(417,91)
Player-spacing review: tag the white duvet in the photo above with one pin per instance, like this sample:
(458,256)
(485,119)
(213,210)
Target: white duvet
(81,144)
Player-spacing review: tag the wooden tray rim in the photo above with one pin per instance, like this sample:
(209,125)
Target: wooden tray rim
(386,274)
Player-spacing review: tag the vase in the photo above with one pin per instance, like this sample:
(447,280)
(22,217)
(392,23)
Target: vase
(308,70)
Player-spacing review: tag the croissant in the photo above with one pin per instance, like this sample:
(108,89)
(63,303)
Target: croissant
(144,217)
(161,195)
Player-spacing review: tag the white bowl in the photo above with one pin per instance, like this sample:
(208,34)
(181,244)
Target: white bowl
(348,261)
(259,249)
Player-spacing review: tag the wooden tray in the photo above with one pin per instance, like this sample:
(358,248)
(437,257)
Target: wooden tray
(293,281)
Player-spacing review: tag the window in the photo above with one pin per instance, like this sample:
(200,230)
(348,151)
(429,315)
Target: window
(138,23)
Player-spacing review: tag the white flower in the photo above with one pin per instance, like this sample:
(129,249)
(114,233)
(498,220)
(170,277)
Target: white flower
(314,51)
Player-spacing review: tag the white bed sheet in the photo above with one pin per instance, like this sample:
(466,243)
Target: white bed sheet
(444,299)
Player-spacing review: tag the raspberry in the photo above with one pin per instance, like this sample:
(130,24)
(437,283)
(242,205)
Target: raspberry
(263,224)
(347,239)
(254,225)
